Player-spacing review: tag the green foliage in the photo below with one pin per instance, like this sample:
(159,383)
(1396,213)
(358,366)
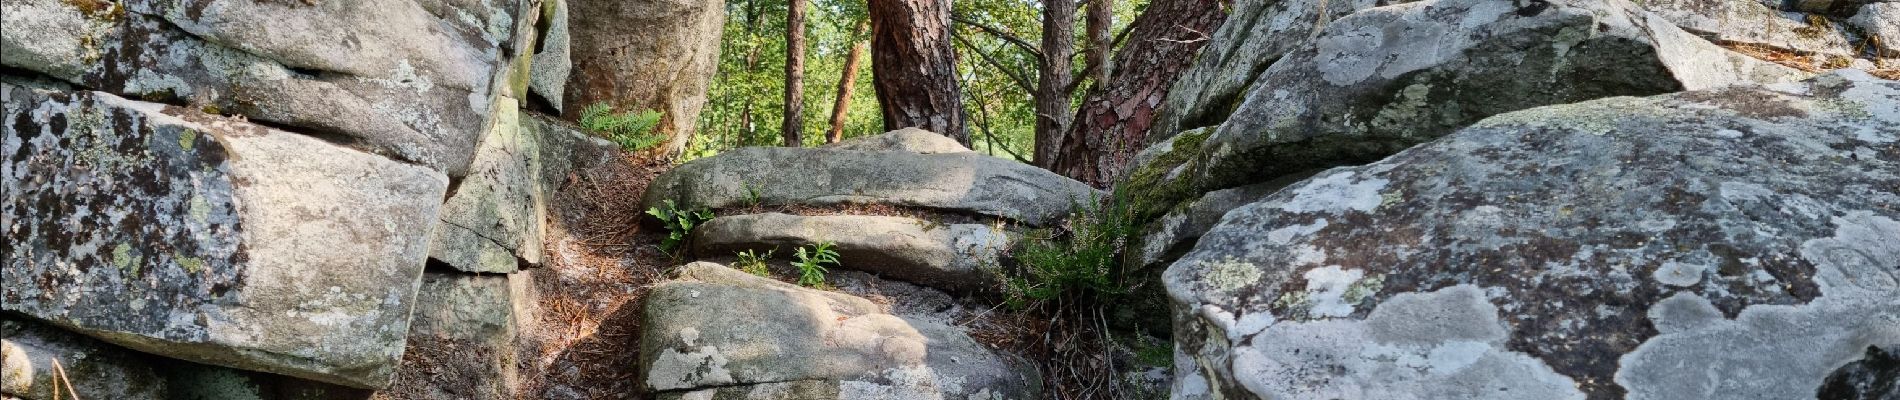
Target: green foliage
(679,223)
(753,263)
(751,196)
(1080,260)
(811,265)
(633,131)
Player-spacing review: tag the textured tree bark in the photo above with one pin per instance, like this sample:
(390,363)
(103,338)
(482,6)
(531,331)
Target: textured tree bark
(913,67)
(1114,118)
(846,83)
(794,127)
(1054,74)
(1101,18)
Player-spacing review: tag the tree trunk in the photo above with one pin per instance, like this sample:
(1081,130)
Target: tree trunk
(1101,18)
(794,127)
(914,67)
(1114,118)
(847,80)
(1055,72)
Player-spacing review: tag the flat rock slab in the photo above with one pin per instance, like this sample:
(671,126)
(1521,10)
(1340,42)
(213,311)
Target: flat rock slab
(965,182)
(207,239)
(944,256)
(908,139)
(408,80)
(1717,244)
(718,333)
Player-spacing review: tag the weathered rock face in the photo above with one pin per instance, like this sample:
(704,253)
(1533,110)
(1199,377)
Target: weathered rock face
(209,239)
(959,182)
(29,350)
(1725,243)
(945,256)
(402,79)
(1761,23)
(1386,78)
(554,59)
(800,343)
(462,344)
(493,222)
(908,139)
(645,54)
(1880,21)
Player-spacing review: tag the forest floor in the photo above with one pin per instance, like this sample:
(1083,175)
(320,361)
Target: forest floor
(583,341)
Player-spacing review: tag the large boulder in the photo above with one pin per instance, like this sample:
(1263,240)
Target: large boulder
(797,343)
(645,54)
(908,139)
(1728,243)
(1761,24)
(1383,79)
(494,220)
(463,342)
(408,80)
(965,182)
(210,239)
(1255,34)
(945,256)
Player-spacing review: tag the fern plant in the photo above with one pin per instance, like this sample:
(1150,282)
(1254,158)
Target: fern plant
(811,265)
(633,131)
(1083,261)
(679,222)
(753,263)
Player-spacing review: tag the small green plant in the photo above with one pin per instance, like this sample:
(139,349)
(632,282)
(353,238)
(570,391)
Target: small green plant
(633,131)
(811,265)
(679,222)
(1081,259)
(753,263)
(751,196)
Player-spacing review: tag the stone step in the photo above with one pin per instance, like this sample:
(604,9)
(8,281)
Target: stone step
(944,256)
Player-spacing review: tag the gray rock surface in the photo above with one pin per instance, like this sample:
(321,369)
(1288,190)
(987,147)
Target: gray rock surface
(566,150)
(1713,244)
(28,351)
(1753,22)
(1167,238)
(389,78)
(463,340)
(494,221)
(1386,78)
(1255,34)
(944,256)
(908,139)
(645,54)
(209,239)
(802,343)
(959,182)
(555,60)
(1882,22)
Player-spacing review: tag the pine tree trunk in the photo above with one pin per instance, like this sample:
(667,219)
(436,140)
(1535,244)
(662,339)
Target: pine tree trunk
(794,127)
(1114,118)
(1052,86)
(846,83)
(914,67)
(1101,18)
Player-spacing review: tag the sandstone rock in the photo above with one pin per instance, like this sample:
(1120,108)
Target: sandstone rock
(389,78)
(1386,78)
(28,351)
(208,239)
(1166,238)
(1255,34)
(1753,22)
(945,256)
(645,54)
(908,139)
(494,221)
(1715,244)
(1882,22)
(958,182)
(797,343)
(566,151)
(463,341)
(554,60)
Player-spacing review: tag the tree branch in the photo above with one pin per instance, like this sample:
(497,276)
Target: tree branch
(999,34)
(1013,75)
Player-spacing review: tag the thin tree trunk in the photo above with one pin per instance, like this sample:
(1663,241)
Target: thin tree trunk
(794,127)
(913,67)
(746,127)
(1114,118)
(1101,18)
(846,83)
(1052,87)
